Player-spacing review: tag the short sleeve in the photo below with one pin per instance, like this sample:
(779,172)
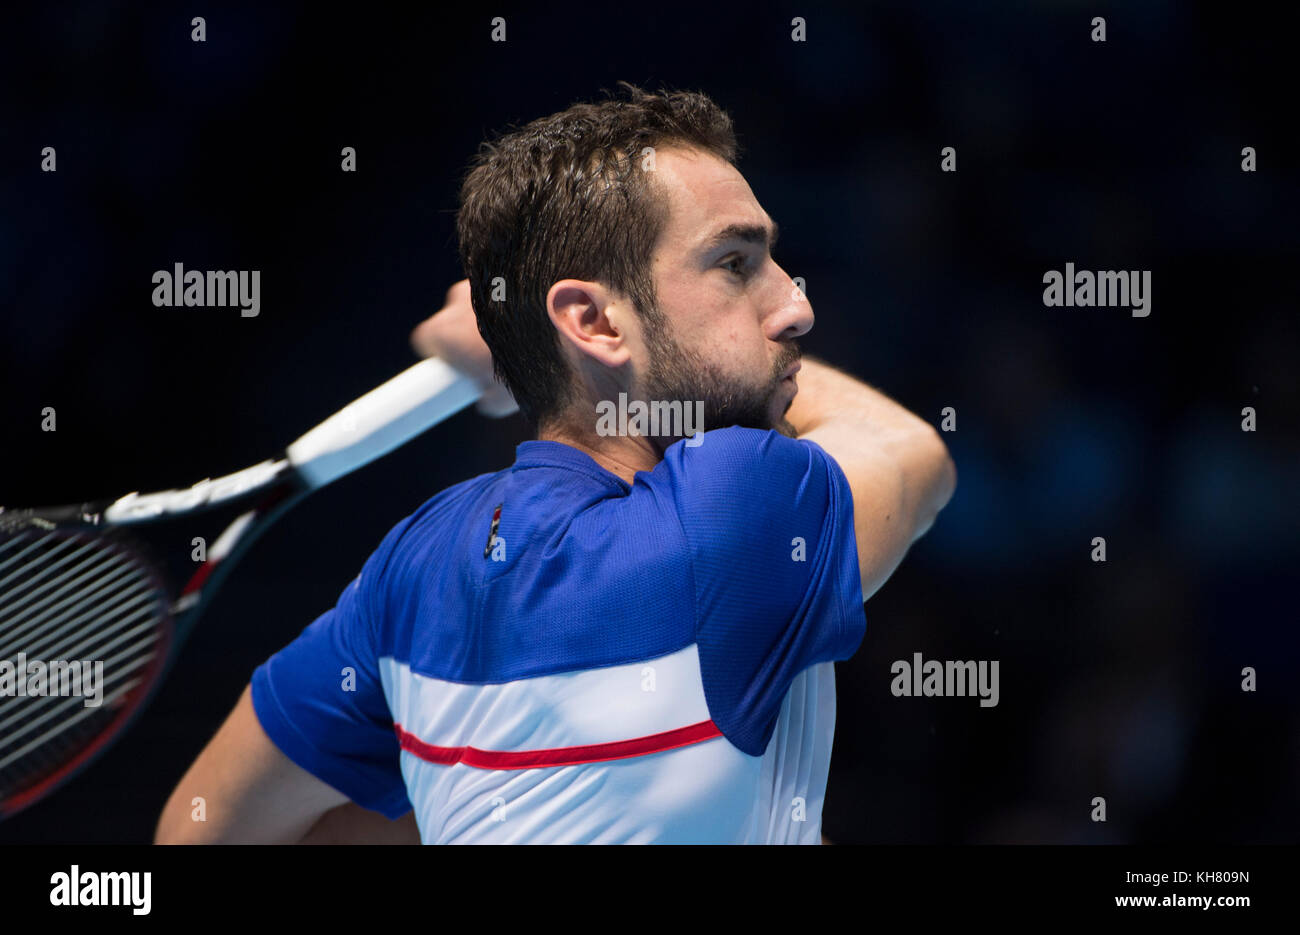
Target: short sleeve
(321,699)
(768,521)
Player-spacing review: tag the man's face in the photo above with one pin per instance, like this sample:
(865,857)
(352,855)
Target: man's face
(729,315)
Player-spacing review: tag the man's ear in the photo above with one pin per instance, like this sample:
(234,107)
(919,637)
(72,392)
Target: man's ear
(591,320)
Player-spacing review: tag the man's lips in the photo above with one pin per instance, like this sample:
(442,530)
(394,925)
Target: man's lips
(792,370)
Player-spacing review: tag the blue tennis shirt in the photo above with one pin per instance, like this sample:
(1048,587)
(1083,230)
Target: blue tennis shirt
(613,663)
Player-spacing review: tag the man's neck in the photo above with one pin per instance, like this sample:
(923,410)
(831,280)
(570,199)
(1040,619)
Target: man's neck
(620,455)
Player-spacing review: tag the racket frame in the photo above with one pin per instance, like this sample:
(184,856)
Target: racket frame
(363,431)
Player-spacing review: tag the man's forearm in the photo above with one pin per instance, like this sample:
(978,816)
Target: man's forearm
(827,394)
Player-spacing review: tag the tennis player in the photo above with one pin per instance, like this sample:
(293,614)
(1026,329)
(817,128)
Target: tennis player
(627,635)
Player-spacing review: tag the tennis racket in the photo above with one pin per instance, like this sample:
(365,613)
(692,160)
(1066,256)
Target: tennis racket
(79,583)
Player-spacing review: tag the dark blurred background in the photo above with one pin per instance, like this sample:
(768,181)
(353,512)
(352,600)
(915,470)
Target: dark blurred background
(1120,679)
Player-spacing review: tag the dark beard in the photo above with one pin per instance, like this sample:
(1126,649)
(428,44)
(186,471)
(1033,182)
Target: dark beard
(677,374)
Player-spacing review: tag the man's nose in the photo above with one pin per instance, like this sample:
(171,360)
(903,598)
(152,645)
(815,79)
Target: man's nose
(794,316)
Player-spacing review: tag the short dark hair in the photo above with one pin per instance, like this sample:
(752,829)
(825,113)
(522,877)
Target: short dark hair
(563,198)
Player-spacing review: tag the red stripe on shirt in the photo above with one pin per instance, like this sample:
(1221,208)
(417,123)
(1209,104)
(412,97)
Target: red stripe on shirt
(560,756)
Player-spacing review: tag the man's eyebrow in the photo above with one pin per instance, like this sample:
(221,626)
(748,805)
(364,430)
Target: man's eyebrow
(748,233)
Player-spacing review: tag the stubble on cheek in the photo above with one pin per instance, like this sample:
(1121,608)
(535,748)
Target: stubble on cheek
(676,374)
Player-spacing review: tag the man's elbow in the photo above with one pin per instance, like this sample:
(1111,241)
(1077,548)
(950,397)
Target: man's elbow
(947,482)
(183,822)
(940,472)
(167,832)
(171,831)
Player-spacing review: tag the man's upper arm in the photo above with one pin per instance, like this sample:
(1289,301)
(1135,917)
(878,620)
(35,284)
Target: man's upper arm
(895,483)
(249,791)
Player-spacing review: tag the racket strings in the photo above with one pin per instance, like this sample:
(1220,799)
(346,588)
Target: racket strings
(98,618)
(101,580)
(69,598)
(109,577)
(23,766)
(37,583)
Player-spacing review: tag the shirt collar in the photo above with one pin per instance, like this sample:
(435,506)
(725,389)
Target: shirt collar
(549,453)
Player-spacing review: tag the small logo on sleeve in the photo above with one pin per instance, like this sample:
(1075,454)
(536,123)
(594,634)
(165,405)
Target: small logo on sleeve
(492,535)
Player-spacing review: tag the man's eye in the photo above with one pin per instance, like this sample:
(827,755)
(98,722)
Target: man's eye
(737,265)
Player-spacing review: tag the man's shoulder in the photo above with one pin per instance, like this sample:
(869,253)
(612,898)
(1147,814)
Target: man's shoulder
(737,445)
(737,465)
(425,518)
(415,538)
